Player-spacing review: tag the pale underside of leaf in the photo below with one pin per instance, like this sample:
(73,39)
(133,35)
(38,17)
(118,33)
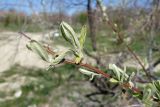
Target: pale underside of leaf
(89,73)
(38,49)
(59,57)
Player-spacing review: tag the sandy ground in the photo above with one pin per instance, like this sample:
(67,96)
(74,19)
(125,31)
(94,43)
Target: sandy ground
(13,51)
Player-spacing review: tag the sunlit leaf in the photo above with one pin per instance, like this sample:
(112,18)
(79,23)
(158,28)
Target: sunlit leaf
(69,35)
(89,73)
(120,75)
(156,86)
(38,49)
(83,36)
(59,57)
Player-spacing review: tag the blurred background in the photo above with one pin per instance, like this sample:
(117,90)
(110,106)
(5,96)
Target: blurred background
(24,78)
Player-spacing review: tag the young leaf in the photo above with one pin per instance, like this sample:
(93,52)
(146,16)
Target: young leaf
(116,73)
(69,35)
(67,31)
(89,73)
(58,58)
(119,74)
(38,49)
(156,86)
(83,36)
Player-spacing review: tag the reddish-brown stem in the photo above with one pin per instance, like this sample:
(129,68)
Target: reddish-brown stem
(94,69)
(89,67)
(125,85)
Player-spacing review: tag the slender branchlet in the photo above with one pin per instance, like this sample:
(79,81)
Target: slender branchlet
(116,31)
(88,66)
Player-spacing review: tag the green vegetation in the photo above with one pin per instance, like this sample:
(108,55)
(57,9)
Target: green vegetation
(39,84)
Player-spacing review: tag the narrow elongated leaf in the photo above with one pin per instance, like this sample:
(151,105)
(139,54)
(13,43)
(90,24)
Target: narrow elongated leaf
(120,75)
(38,49)
(69,35)
(83,36)
(116,72)
(67,31)
(156,86)
(89,73)
(59,57)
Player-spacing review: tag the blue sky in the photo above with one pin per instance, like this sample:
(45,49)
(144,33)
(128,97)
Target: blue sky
(23,5)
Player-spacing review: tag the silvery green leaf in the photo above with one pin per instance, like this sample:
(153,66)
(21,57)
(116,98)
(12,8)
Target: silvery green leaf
(157,85)
(119,73)
(83,36)
(59,57)
(67,31)
(115,71)
(38,49)
(74,52)
(89,73)
(69,35)
(123,77)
